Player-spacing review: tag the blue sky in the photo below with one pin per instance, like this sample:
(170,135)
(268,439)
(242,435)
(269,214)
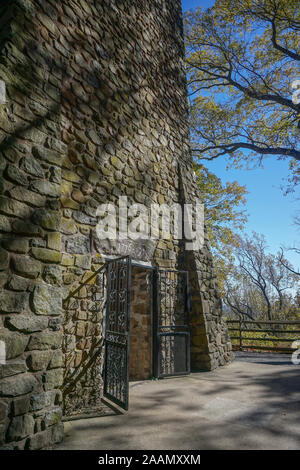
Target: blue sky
(270,212)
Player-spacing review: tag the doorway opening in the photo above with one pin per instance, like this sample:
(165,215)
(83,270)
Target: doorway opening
(147,326)
(141,324)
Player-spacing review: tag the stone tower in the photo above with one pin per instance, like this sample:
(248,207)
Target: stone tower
(92,107)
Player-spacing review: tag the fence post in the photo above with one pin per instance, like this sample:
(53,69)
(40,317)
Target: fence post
(241,339)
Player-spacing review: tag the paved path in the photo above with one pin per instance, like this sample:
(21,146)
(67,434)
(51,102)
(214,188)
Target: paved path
(254,403)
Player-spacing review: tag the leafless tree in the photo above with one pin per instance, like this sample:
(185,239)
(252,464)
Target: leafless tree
(261,282)
(295,249)
(283,262)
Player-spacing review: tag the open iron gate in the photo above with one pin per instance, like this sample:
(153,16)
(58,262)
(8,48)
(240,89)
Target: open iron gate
(116,365)
(171,331)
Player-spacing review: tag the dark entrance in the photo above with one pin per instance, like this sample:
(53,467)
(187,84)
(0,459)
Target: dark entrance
(170,326)
(141,324)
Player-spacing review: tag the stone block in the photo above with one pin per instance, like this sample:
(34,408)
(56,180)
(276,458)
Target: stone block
(56,360)
(4,224)
(41,400)
(32,166)
(20,406)
(11,154)
(13,302)
(38,441)
(83,261)
(38,360)
(54,241)
(70,176)
(17,385)
(69,203)
(12,368)
(68,227)
(55,175)
(14,208)
(53,379)
(57,433)
(26,323)
(18,283)
(78,196)
(25,227)
(53,274)
(4,260)
(20,427)
(2,92)
(20,445)
(53,417)
(78,244)
(17,245)
(95,138)
(3,411)
(82,218)
(47,300)
(69,342)
(55,323)
(46,218)
(3,427)
(47,155)
(15,343)
(46,255)
(15,175)
(80,328)
(44,341)
(46,188)
(27,267)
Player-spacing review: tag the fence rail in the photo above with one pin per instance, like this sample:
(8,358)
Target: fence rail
(267,335)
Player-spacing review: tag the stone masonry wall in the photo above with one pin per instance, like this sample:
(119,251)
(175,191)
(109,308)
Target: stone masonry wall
(210,342)
(82,345)
(140,364)
(95,109)
(31,276)
(123,136)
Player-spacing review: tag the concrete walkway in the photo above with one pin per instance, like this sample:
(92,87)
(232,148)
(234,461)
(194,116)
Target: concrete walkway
(254,403)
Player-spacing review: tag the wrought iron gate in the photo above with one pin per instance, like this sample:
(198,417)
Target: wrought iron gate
(171,336)
(116,366)
(171,332)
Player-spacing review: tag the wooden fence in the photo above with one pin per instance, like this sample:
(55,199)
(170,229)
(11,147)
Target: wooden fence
(265,335)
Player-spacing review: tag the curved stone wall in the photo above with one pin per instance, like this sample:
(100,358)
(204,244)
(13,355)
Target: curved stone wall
(95,108)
